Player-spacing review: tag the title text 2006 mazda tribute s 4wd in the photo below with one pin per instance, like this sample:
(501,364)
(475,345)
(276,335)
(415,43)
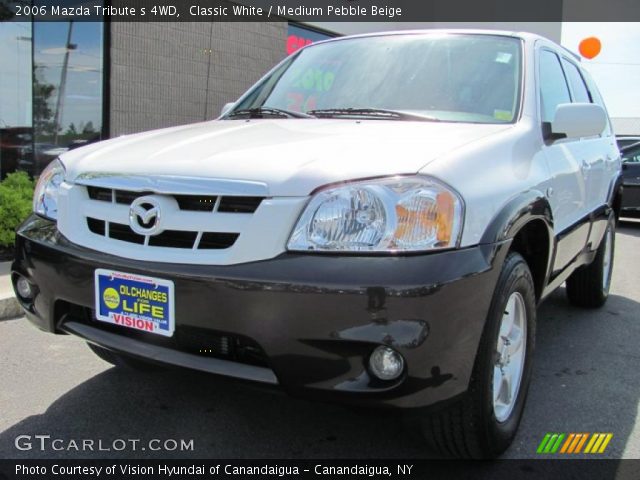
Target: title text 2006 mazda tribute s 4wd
(373,223)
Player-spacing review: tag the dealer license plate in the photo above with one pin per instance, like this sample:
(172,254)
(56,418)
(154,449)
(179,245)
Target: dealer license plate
(135,301)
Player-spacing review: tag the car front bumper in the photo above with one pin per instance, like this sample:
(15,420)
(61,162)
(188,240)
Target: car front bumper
(308,322)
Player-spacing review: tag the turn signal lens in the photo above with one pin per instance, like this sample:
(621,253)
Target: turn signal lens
(425,218)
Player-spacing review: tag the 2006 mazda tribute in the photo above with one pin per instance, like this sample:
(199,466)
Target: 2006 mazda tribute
(372,223)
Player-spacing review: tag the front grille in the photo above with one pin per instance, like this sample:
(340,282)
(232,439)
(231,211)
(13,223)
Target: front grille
(194,203)
(96,226)
(194,340)
(200,237)
(124,233)
(168,238)
(175,239)
(213,241)
(239,204)
(102,194)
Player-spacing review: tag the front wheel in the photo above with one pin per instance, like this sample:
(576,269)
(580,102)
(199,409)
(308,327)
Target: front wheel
(588,286)
(484,422)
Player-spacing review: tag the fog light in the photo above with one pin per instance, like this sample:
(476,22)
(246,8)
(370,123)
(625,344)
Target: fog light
(386,363)
(24,288)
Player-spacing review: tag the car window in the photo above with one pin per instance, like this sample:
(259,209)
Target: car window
(578,88)
(553,85)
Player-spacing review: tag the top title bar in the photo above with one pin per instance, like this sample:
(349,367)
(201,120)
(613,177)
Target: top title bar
(317,10)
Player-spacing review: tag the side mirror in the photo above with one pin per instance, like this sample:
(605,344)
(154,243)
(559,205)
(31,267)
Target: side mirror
(227,107)
(575,120)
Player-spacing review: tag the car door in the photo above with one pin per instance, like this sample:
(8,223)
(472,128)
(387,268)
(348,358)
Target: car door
(593,152)
(566,189)
(607,176)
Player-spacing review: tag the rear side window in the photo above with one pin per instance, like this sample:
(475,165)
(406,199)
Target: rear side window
(553,85)
(579,89)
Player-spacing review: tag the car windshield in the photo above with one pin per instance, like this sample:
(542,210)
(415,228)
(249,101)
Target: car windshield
(441,77)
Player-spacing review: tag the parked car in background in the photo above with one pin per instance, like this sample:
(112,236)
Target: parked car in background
(631,181)
(626,140)
(373,223)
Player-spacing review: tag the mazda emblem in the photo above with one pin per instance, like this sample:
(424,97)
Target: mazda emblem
(144,215)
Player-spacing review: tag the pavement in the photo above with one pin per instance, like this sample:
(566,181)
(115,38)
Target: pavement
(9,307)
(586,379)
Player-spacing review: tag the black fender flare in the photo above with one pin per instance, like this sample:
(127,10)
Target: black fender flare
(515,214)
(520,211)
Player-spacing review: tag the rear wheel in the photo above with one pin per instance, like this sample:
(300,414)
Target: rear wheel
(484,422)
(125,361)
(588,286)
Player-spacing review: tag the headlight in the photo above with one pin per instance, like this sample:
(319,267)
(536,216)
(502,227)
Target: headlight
(45,196)
(399,214)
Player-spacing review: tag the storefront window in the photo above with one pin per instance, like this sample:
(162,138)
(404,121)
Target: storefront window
(15,96)
(51,91)
(67,88)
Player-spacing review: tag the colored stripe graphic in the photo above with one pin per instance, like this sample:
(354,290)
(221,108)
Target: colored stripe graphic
(599,443)
(550,443)
(570,438)
(576,440)
(606,441)
(572,443)
(543,443)
(583,439)
(556,446)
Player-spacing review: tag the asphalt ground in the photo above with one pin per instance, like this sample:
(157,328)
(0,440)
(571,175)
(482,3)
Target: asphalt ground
(586,379)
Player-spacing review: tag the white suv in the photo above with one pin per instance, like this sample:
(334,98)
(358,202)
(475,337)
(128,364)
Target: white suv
(373,223)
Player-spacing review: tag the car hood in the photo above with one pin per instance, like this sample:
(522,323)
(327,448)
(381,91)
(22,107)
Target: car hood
(292,157)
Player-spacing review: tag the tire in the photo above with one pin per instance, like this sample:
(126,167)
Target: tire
(124,361)
(477,426)
(588,286)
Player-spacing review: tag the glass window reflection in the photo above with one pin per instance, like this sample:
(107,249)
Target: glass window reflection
(67,88)
(15,96)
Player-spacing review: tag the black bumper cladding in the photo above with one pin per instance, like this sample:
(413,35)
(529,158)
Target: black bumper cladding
(306,323)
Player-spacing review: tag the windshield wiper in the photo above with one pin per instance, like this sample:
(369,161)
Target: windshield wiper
(379,113)
(261,112)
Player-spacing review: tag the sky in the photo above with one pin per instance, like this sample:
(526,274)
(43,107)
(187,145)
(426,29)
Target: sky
(616,69)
